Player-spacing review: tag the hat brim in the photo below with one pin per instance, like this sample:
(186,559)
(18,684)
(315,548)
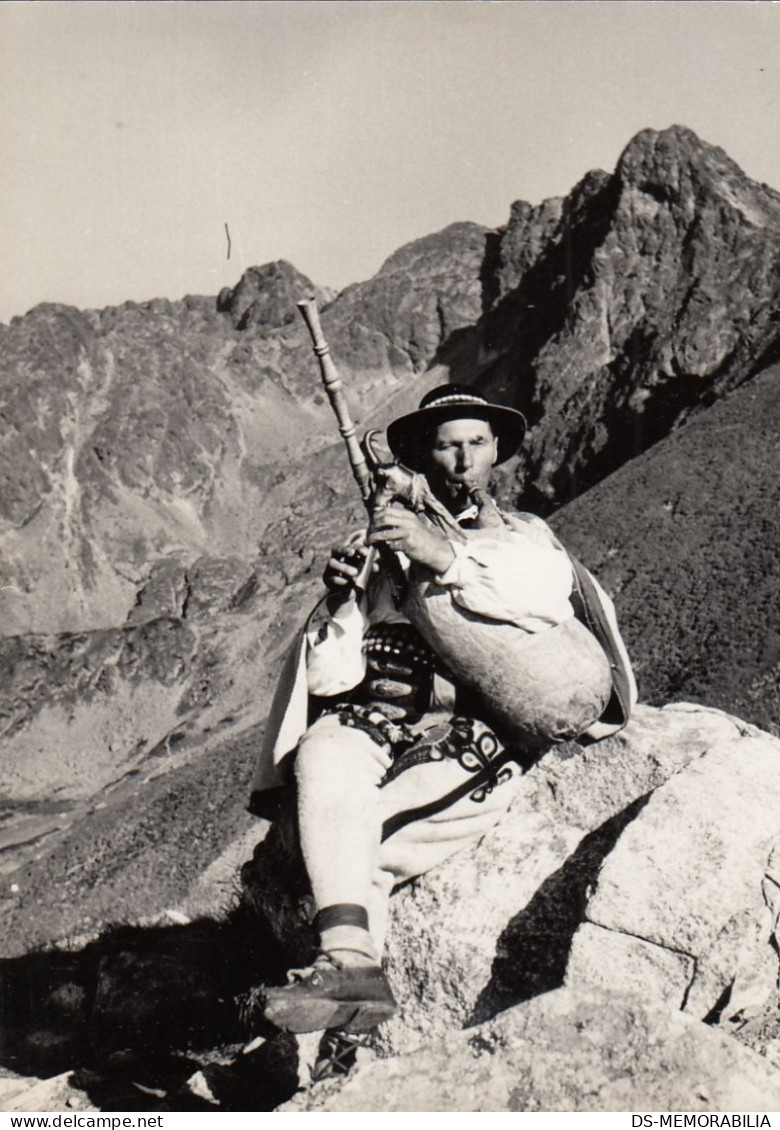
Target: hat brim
(405,433)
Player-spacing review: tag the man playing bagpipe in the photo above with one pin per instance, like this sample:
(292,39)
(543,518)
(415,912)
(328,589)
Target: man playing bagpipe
(421,687)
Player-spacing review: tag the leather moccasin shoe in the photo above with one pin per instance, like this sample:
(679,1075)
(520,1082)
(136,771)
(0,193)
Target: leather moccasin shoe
(330,995)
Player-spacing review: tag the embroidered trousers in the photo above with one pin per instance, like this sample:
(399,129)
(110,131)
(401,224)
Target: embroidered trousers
(364,830)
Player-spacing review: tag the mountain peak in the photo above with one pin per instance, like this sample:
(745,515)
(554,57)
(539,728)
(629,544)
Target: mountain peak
(674,145)
(265,296)
(675,162)
(432,247)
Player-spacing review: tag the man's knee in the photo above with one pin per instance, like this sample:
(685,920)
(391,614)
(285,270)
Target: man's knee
(333,752)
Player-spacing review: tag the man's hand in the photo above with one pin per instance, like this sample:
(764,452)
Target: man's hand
(345,564)
(400,529)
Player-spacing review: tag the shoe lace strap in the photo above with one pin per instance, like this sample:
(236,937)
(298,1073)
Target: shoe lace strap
(308,971)
(337,1054)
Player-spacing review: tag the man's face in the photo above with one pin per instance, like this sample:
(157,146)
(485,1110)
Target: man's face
(461,457)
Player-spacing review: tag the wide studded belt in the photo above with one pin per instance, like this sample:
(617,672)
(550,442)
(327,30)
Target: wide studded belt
(399,671)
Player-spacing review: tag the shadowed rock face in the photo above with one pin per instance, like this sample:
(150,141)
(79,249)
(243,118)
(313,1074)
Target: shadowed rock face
(685,538)
(638,298)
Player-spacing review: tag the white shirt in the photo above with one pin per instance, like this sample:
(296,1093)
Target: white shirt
(518,574)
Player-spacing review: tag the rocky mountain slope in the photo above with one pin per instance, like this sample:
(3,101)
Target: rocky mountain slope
(686,539)
(155,430)
(169,490)
(638,299)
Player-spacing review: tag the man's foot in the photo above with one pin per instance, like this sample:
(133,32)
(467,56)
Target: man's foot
(330,995)
(337,1053)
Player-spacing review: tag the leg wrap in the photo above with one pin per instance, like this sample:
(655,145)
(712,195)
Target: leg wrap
(341,914)
(344,926)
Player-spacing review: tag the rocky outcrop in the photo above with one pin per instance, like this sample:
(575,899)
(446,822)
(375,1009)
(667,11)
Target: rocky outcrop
(633,871)
(527,885)
(701,842)
(265,297)
(640,297)
(423,295)
(18,1093)
(588,818)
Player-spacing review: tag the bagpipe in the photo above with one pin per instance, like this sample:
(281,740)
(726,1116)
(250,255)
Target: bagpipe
(536,688)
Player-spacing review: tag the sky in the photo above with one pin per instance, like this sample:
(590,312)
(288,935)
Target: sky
(331,133)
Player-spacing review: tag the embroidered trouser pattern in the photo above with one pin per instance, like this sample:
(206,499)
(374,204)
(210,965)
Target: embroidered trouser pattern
(368,822)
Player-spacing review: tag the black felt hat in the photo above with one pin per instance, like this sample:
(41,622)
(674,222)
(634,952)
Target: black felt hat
(454,402)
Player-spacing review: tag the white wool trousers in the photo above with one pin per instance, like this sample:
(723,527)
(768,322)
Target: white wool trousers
(361,837)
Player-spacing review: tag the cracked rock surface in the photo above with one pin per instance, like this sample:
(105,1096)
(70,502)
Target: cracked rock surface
(570,1051)
(504,921)
(635,873)
(679,913)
